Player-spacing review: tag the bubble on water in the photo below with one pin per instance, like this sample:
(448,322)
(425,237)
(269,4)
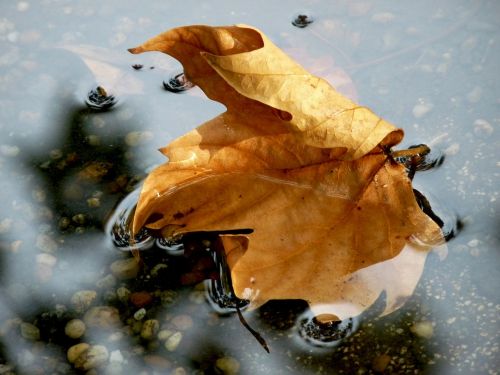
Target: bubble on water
(324,330)
(119,227)
(177,84)
(98,99)
(302,20)
(173,247)
(219,290)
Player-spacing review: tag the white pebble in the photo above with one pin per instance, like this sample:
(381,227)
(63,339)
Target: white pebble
(9,150)
(421,110)
(140,314)
(482,127)
(173,341)
(116,356)
(423,329)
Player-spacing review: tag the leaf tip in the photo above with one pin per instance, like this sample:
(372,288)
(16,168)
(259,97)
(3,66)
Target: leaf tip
(136,50)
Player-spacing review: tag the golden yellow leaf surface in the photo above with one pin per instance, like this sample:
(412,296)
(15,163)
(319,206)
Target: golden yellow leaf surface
(306,169)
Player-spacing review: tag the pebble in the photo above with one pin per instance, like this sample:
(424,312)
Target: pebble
(75,351)
(88,357)
(173,341)
(75,328)
(6,225)
(482,127)
(116,356)
(136,138)
(107,282)
(164,334)
(380,363)
(140,314)
(30,331)
(158,269)
(157,361)
(149,329)
(102,317)
(125,268)
(123,294)
(421,110)
(227,365)
(179,371)
(46,243)
(9,150)
(182,322)
(423,329)
(141,299)
(82,299)
(44,266)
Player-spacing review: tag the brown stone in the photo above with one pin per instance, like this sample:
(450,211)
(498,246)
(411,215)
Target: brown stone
(141,299)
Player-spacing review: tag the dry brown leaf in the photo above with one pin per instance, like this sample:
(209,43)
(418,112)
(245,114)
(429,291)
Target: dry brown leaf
(302,166)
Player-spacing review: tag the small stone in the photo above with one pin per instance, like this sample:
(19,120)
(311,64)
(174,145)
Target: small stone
(123,294)
(107,282)
(380,363)
(475,94)
(82,299)
(158,269)
(44,266)
(125,268)
(164,334)
(482,127)
(102,317)
(94,356)
(93,202)
(9,150)
(79,219)
(75,351)
(179,371)
(149,329)
(182,322)
(116,356)
(46,243)
(157,361)
(140,314)
(30,331)
(423,329)
(173,341)
(141,299)
(75,328)
(421,110)
(6,225)
(227,365)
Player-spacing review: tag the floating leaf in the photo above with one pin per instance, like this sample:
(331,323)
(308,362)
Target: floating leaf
(334,218)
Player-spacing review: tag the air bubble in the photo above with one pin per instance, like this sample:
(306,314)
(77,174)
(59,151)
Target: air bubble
(119,227)
(99,100)
(178,84)
(325,330)
(302,20)
(173,247)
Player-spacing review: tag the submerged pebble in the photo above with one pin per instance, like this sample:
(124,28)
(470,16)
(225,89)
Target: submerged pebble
(173,341)
(149,329)
(423,329)
(102,317)
(227,365)
(30,331)
(75,328)
(82,299)
(125,268)
(140,314)
(86,357)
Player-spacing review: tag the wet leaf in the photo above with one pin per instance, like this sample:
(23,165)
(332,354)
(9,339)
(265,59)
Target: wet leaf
(334,218)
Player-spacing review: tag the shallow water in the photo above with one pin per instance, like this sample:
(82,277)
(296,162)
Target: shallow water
(430,68)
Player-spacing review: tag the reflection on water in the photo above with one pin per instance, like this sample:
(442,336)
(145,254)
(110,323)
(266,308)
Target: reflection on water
(68,169)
